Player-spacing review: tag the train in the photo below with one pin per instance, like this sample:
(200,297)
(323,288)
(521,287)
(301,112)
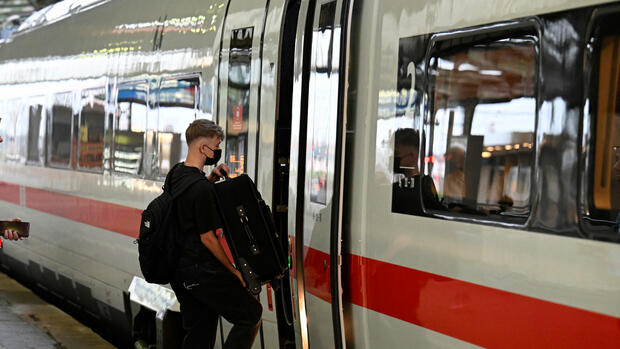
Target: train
(442,173)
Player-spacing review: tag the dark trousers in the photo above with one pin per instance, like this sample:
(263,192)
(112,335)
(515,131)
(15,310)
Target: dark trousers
(206,292)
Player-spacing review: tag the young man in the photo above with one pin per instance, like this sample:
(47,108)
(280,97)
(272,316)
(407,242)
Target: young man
(206,284)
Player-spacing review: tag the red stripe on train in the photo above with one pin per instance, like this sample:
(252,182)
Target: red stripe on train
(9,192)
(477,314)
(117,218)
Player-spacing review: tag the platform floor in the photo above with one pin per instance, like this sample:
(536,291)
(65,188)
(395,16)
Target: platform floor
(27,321)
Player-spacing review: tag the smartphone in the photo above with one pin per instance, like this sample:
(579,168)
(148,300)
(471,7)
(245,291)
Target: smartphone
(22,228)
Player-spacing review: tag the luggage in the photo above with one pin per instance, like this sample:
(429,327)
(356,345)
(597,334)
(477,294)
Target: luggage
(250,232)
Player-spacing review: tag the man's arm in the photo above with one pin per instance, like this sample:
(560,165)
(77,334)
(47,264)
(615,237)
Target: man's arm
(210,241)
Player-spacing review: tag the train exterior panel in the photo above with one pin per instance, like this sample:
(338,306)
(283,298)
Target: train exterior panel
(443,170)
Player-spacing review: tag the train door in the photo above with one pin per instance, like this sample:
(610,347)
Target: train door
(317,155)
(239,114)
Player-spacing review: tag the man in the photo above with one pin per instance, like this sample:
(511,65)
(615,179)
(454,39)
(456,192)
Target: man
(409,184)
(206,283)
(10,234)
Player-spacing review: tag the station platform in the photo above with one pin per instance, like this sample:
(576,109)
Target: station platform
(27,321)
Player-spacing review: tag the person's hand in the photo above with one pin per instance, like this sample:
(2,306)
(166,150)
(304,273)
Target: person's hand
(217,173)
(1,140)
(238,275)
(11,234)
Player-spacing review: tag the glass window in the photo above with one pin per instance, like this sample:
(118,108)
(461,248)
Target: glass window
(130,125)
(92,130)
(16,118)
(483,110)
(36,133)
(603,218)
(61,140)
(178,100)
(238,110)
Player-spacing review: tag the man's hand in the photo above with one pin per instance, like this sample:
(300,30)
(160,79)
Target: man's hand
(11,234)
(216,174)
(1,139)
(238,275)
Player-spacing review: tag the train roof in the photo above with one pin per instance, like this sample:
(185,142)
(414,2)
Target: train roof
(56,12)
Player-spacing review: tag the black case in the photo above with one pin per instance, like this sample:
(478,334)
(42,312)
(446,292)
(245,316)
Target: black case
(250,232)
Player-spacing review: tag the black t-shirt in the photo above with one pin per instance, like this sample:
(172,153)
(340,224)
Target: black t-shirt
(197,214)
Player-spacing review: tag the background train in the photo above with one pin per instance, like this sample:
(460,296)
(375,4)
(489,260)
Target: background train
(444,173)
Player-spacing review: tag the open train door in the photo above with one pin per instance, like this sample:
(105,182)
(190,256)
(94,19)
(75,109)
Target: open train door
(246,112)
(316,174)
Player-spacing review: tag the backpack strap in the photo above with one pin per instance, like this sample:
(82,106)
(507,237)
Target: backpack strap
(183,185)
(166,186)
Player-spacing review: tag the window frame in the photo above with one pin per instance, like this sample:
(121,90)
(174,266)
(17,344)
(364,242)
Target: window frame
(478,35)
(587,141)
(197,97)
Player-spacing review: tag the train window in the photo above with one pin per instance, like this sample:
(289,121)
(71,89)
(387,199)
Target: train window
(483,110)
(178,101)
(92,130)
(130,127)
(61,140)
(36,135)
(603,217)
(238,112)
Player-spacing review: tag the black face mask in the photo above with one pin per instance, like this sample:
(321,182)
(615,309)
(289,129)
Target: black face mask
(217,154)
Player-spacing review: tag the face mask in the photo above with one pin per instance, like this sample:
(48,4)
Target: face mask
(217,154)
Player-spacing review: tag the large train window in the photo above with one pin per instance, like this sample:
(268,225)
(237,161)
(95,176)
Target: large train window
(602,216)
(483,116)
(62,143)
(92,130)
(178,104)
(130,127)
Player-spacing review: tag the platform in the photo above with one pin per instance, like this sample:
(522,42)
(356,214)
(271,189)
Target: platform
(27,321)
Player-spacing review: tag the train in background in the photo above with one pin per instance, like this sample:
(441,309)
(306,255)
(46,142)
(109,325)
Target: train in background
(444,174)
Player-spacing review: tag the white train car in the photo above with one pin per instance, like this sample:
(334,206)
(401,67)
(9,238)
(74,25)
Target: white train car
(447,172)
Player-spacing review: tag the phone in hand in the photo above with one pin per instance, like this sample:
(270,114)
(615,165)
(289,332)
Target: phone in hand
(22,228)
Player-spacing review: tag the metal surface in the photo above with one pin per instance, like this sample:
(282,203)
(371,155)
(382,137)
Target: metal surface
(408,279)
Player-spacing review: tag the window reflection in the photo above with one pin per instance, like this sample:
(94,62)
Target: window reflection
(408,185)
(238,99)
(61,144)
(605,178)
(323,93)
(35,135)
(130,123)
(484,112)
(177,109)
(92,130)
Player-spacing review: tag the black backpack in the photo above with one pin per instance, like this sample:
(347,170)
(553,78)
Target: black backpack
(158,250)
